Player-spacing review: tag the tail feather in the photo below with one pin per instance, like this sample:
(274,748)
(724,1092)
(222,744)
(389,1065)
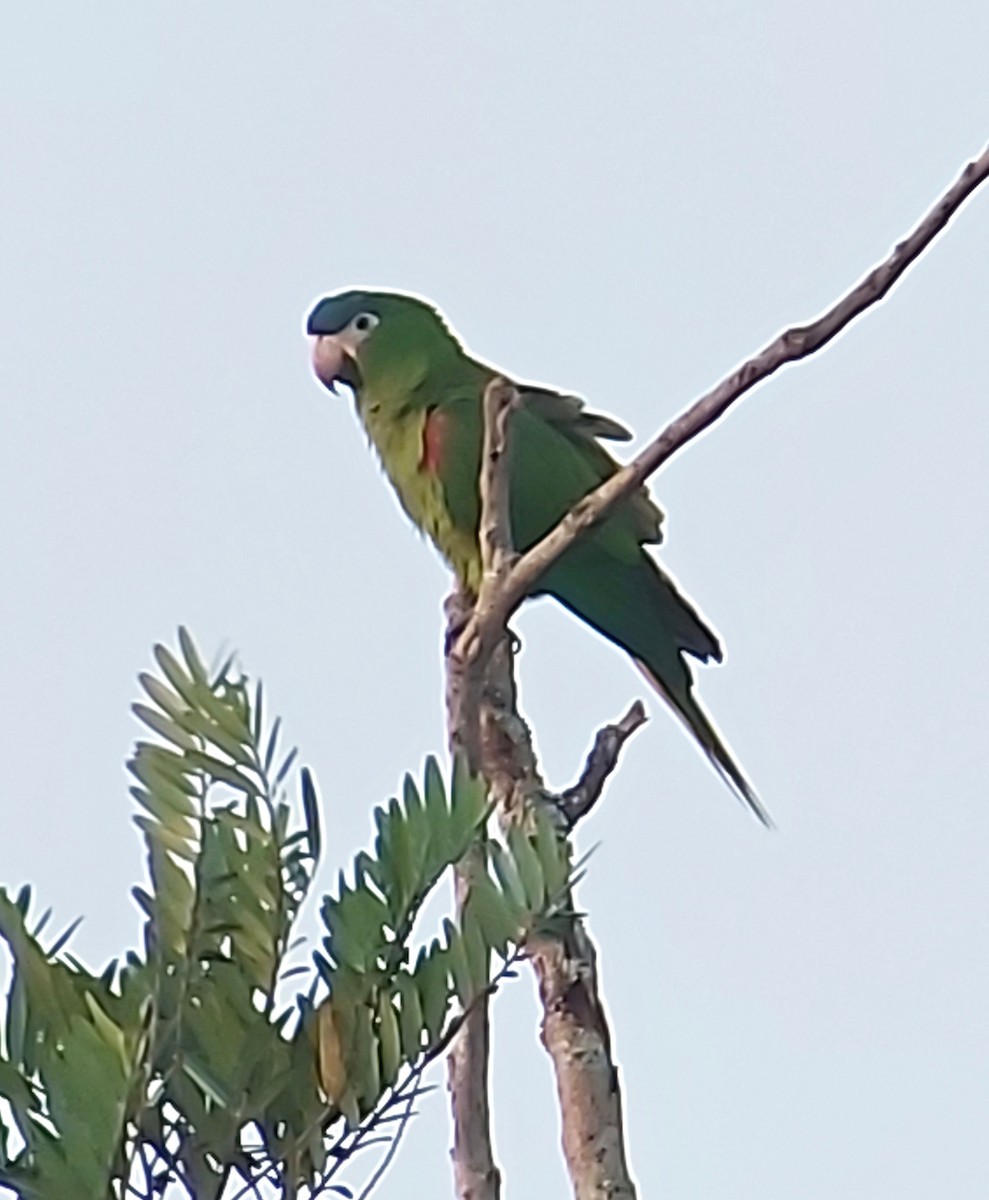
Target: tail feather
(639,607)
(689,710)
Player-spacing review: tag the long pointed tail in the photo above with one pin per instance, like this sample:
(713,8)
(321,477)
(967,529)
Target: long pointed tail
(689,711)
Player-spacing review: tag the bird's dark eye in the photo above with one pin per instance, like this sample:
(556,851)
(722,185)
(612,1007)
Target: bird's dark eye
(364,322)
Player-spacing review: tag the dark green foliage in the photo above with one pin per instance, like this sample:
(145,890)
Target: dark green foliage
(383,1010)
(192,1064)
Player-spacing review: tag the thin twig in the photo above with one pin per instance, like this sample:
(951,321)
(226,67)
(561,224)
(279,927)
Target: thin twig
(800,341)
(497,560)
(495,532)
(455,1026)
(577,801)
(408,1091)
(385,1163)
(475,1173)
(138,1151)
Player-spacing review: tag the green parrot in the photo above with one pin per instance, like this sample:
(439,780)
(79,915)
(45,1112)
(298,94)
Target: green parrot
(418,394)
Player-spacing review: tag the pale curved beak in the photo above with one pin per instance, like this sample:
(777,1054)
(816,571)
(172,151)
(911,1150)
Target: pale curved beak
(329,357)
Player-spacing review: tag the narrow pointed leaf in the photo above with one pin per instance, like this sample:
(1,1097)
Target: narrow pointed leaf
(410,1015)
(197,670)
(389,1039)
(529,868)
(459,966)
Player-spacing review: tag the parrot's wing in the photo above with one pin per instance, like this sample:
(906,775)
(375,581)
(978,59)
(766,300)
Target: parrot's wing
(557,459)
(566,415)
(570,414)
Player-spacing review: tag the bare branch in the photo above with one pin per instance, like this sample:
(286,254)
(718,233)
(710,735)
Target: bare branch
(483,717)
(475,625)
(574,1026)
(795,343)
(575,1033)
(475,1175)
(495,532)
(578,800)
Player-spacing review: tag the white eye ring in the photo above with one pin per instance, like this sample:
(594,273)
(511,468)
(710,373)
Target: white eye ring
(364,322)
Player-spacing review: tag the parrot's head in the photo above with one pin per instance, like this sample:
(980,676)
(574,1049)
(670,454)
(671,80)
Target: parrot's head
(385,341)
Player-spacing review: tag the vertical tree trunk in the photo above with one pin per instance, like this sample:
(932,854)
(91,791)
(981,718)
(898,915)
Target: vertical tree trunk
(576,1036)
(475,1175)
(574,1026)
(483,721)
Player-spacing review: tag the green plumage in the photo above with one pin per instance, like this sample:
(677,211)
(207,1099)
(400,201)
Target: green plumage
(419,395)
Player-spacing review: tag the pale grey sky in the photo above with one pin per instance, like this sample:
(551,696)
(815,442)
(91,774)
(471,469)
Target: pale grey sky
(623,200)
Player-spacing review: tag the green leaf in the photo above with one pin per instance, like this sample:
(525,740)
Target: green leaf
(110,1032)
(389,1039)
(197,670)
(162,772)
(552,852)
(223,773)
(529,868)
(257,723)
(496,915)
(410,1015)
(163,805)
(365,1072)
(342,944)
(208,1083)
(469,801)
(364,917)
(171,839)
(433,785)
(432,979)
(164,726)
(168,701)
(176,676)
(476,952)
(287,764)
(417,824)
(212,731)
(63,937)
(405,873)
(443,834)
(508,876)
(459,966)
(231,712)
(310,804)
(23,1103)
(350,1107)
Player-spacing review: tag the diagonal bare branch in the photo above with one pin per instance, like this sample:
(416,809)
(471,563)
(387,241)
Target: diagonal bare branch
(483,716)
(800,341)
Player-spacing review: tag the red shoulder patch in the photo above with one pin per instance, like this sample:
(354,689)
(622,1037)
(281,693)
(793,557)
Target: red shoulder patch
(433,439)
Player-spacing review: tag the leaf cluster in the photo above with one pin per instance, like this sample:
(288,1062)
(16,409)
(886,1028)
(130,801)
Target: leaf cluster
(190,1063)
(386,1008)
